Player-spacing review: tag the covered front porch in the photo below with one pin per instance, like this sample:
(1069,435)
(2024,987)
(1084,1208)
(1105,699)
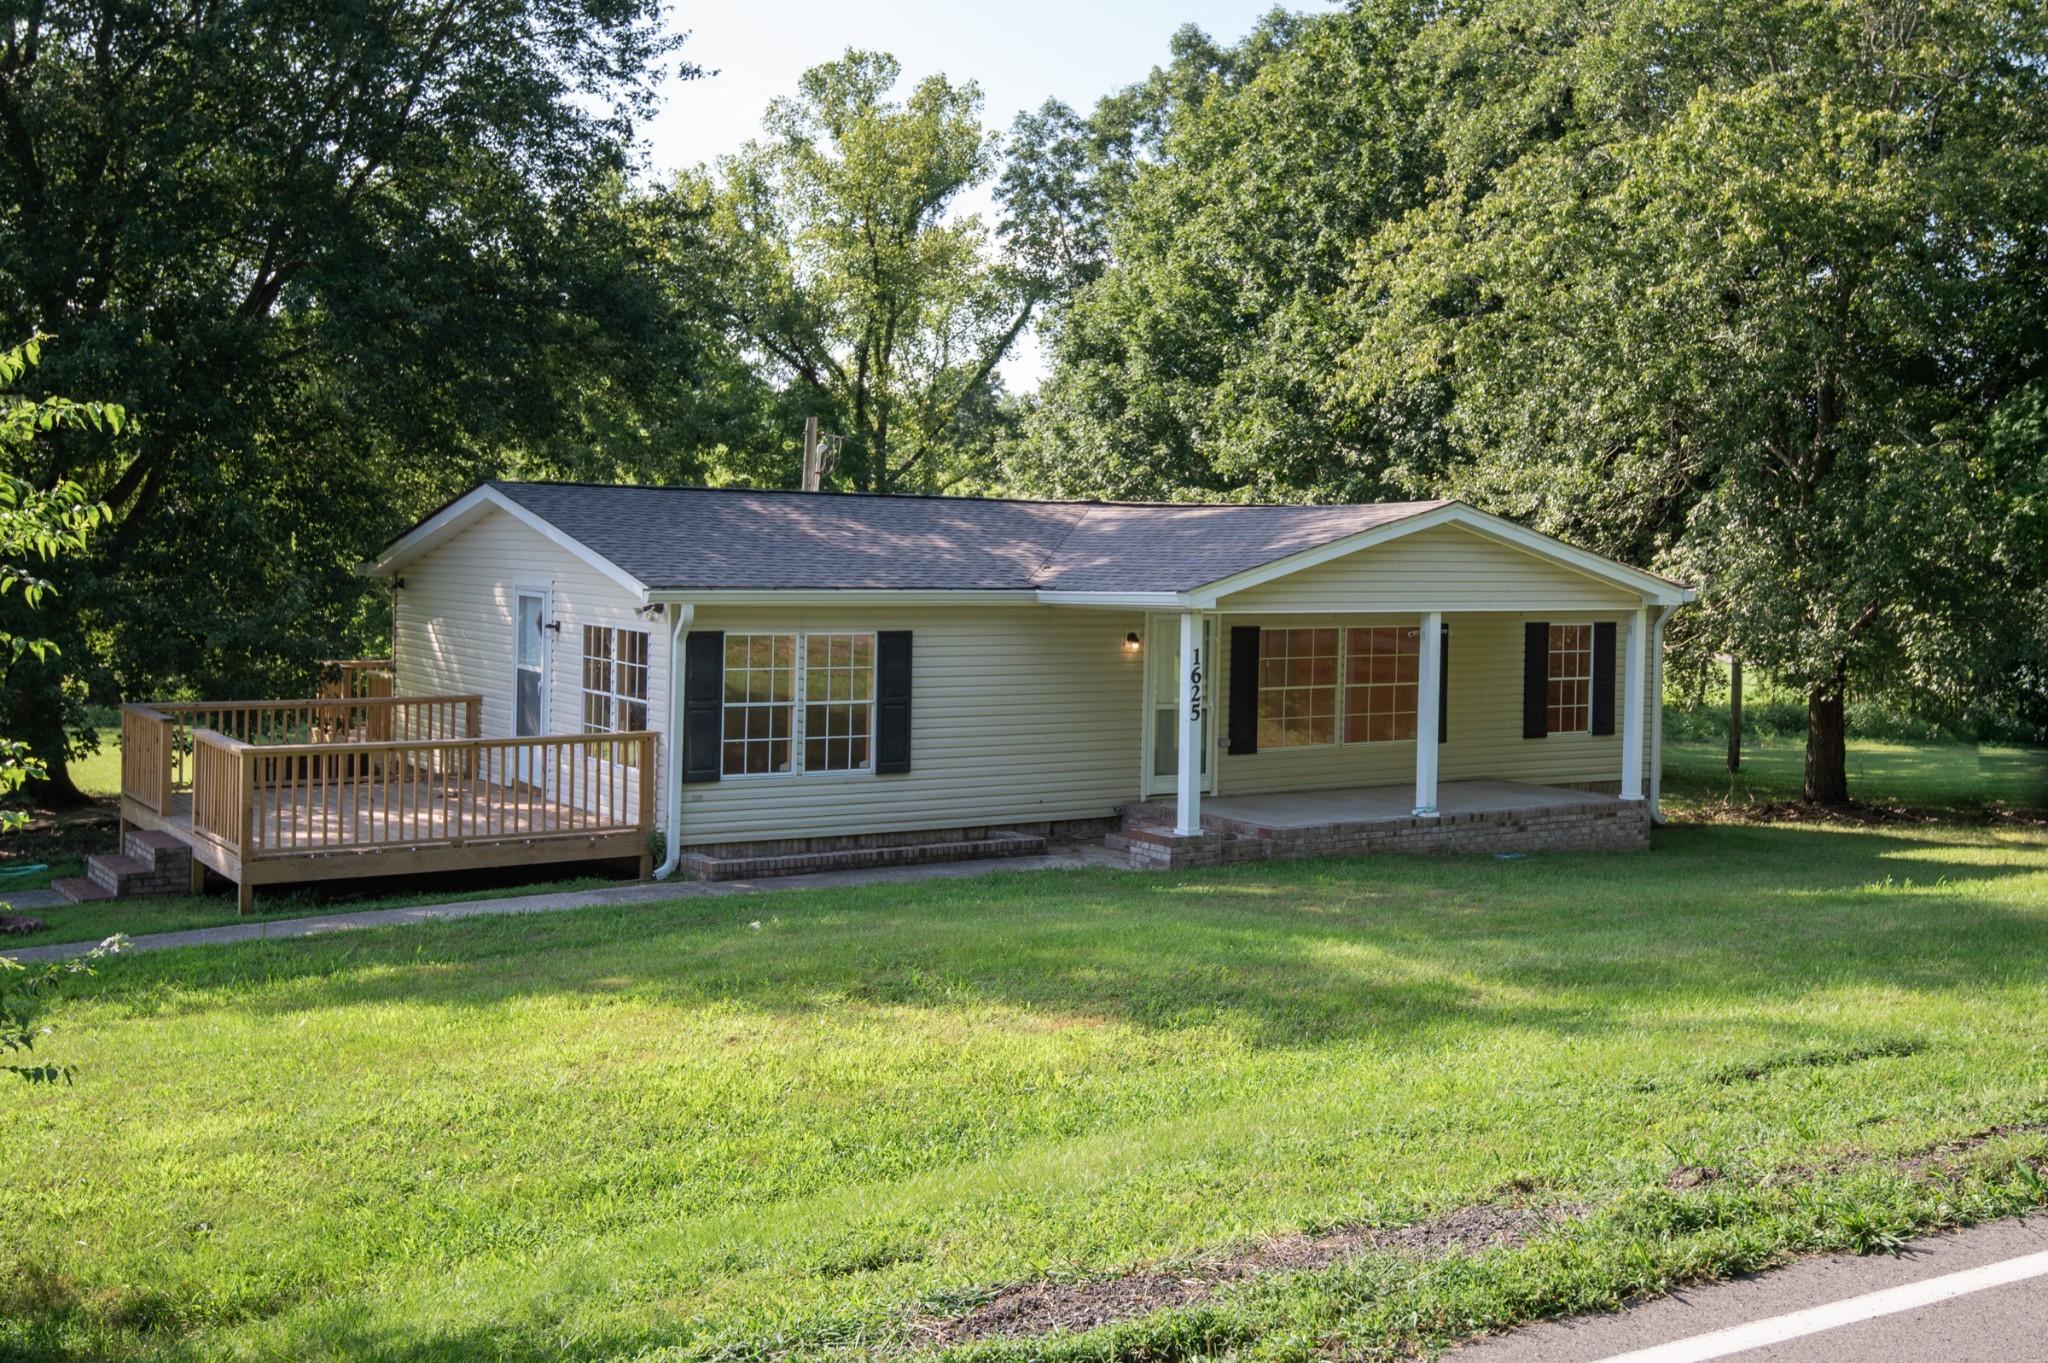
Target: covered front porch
(360,782)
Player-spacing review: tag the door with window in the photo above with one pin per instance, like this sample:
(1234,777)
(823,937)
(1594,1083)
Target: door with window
(530,665)
(1162,703)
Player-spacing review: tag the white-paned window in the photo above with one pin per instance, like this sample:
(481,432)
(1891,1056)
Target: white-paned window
(614,680)
(839,701)
(1381,675)
(1571,679)
(1298,687)
(798,703)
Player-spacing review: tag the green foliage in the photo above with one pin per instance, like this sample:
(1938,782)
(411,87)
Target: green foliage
(1735,293)
(25,993)
(37,526)
(338,260)
(1750,294)
(1237,184)
(845,273)
(651,1130)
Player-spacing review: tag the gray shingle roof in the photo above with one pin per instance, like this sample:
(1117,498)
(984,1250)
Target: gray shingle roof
(711,538)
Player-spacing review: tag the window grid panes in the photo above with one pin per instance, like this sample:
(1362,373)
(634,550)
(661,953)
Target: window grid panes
(1571,679)
(1382,667)
(839,701)
(760,703)
(1298,687)
(798,703)
(614,682)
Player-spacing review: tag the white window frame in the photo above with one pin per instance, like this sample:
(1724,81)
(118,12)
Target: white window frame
(800,704)
(1345,684)
(547,662)
(615,699)
(1548,677)
(1344,633)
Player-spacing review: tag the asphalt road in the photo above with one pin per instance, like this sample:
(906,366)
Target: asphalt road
(1839,1309)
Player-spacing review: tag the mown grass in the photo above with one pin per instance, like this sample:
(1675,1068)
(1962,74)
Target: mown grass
(1961,780)
(779,1126)
(102,918)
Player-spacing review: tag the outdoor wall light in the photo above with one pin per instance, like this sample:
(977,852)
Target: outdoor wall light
(1131,642)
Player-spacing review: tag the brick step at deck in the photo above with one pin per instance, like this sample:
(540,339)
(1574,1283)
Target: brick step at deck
(1002,844)
(151,865)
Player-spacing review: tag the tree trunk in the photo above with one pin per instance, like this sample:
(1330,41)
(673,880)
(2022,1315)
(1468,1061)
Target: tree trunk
(1735,714)
(56,790)
(1827,752)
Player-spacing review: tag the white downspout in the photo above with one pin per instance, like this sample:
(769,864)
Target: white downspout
(679,617)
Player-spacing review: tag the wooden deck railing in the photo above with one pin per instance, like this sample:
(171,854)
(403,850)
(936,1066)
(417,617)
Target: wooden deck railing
(356,678)
(260,801)
(157,740)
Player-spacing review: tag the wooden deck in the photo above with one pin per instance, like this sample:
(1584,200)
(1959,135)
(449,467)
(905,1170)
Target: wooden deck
(299,791)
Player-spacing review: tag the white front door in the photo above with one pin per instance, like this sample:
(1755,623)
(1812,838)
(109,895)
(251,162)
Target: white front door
(1162,704)
(530,665)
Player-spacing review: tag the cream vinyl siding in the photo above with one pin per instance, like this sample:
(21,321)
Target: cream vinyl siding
(1019,714)
(452,623)
(1485,709)
(1444,568)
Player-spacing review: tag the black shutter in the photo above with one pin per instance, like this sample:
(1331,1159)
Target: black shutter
(892,702)
(1244,690)
(703,703)
(1536,679)
(1443,686)
(1603,677)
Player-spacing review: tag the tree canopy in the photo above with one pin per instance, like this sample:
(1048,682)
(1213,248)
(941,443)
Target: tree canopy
(1751,294)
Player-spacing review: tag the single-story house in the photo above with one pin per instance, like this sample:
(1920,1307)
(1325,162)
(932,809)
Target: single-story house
(830,677)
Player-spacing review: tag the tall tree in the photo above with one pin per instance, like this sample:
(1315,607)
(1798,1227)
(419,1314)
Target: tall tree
(859,287)
(1236,185)
(1736,289)
(338,259)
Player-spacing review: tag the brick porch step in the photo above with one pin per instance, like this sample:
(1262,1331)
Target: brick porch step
(1001,844)
(79,890)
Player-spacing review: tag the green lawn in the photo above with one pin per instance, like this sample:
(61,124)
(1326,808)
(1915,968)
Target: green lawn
(777,1126)
(1952,778)
(134,917)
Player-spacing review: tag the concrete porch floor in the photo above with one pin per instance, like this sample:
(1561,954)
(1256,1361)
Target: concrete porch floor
(1373,804)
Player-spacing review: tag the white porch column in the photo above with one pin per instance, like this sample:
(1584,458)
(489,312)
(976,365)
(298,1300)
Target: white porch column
(1193,677)
(1428,686)
(1632,705)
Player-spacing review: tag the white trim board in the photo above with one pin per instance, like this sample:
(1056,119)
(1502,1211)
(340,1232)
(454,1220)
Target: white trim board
(1653,589)
(465,511)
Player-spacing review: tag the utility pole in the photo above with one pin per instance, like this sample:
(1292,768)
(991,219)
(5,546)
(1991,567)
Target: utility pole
(814,470)
(1734,713)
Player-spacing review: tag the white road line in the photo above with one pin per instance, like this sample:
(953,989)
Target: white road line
(1755,1335)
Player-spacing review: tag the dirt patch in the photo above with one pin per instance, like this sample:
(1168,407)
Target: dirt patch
(16,924)
(1038,1308)
(1687,1176)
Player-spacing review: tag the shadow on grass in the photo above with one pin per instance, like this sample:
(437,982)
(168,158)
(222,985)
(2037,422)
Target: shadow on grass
(1284,954)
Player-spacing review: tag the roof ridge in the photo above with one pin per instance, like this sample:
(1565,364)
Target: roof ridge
(1085,502)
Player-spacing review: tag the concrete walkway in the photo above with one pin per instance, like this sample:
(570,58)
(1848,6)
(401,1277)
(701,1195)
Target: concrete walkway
(1068,858)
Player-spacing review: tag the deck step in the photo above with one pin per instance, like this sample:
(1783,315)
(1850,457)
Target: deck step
(79,890)
(996,844)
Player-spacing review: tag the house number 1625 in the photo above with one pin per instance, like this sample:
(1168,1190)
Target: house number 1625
(1195,686)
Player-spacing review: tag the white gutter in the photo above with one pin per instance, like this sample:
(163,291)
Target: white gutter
(679,616)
